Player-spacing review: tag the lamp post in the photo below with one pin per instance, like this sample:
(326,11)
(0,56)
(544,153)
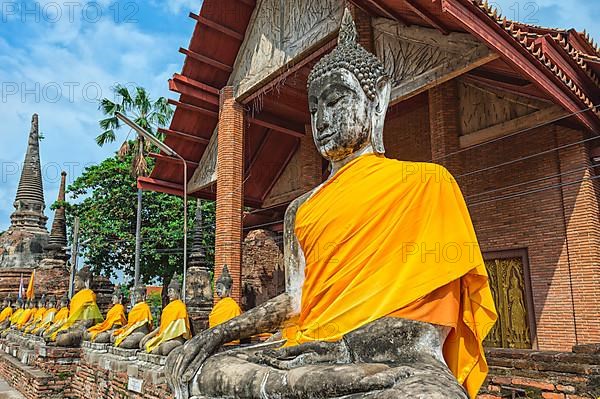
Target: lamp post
(170,152)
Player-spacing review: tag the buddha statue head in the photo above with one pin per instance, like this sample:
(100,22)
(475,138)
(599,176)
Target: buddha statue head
(6,302)
(51,301)
(64,301)
(83,279)
(174,289)
(31,303)
(348,96)
(139,294)
(20,304)
(117,295)
(224,283)
(42,302)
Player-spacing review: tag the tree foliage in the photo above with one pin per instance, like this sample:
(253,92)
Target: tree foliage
(107,213)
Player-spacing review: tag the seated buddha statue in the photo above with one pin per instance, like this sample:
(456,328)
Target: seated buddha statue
(14,319)
(115,318)
(59,319)
(226,308)
(27,315)
(47,318)
(139,323)
(37,317)
(83,312)
(386,290)
(7,312)
(174,327)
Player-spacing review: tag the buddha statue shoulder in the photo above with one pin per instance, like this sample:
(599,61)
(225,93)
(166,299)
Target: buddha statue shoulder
(370,310)
(83,311)
(226,307)
(139,322)
(58,320)
(174,328)
(7,312)
(115,318)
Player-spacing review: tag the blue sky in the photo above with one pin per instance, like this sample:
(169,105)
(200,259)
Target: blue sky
(58,57)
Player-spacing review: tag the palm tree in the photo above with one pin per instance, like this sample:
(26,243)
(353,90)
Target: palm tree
(149,115)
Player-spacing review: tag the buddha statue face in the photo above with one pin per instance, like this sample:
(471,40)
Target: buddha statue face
(64,303)
(78,283)
(40,304)
(222,291)
(348,95)
(139,295)
(51,303)
(5,303)
(173,294)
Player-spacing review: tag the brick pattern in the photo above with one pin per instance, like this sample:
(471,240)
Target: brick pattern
(548,375)
(444,125)
(263,274)
(580,202)
(230,161)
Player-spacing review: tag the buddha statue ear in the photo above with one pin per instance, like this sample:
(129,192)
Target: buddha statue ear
(382,99)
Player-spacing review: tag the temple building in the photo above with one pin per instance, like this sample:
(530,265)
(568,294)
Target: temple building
(508,108)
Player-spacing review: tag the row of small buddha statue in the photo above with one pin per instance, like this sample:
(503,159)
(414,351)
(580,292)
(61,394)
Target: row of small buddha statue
(80,319)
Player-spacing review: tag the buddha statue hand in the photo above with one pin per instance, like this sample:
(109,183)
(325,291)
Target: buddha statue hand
(316,352)
(183,362)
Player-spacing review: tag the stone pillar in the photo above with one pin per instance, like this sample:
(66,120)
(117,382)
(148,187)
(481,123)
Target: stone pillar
(444,125)
(230,190)
(581,211)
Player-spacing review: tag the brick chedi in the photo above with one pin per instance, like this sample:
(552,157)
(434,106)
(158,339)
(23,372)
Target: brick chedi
(22,245)
(53,276)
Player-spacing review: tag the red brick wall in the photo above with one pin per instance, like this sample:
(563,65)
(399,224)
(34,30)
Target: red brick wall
(230,159)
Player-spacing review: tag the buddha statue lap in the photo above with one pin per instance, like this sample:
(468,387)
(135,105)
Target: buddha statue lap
(115,319)
(47,318)
(139,323)
(174,327)
(59,319)
(368,311)
(83,312)
(37,317)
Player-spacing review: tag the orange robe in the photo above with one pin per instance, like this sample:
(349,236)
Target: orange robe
(59,320)
(226,309)
(35,320)
(46,321)
(174,323)
(25,317)
(139,315)
(390,238)
(114,317)
(6,313)
(82,307)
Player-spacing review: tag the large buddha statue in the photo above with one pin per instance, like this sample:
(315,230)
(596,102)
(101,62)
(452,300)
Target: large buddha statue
(115,318)
(7,312)
(83,312)
(386,290)
(174,327)
(139,322)
(61,317)
(47,318)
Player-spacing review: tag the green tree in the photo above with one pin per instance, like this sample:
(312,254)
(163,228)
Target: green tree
(147,114)
(107,213)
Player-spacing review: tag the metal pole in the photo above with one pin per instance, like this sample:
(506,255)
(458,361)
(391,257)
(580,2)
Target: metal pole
(138,239)
(74,255)
(185,228)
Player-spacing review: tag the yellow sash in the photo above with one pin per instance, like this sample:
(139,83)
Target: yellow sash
(138,316)
(59,320)
(114,317)
(24,318)
(6,313)
(83,307)
(174,323)
(226,309)
(37,318)
(14,319)
(45,322)
(381,235)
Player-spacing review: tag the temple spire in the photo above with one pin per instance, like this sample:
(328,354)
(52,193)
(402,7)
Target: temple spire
(58,236)
(197,254)
(29,202)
